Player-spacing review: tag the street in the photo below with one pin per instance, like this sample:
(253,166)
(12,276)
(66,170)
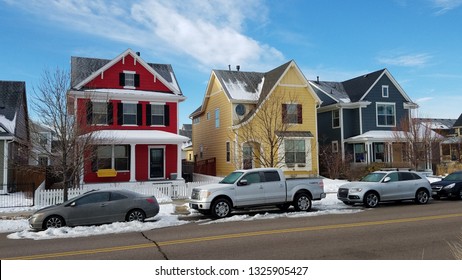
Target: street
(394,231)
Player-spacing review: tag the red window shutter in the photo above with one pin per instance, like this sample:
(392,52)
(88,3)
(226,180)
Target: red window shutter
(299,114)
(284,113)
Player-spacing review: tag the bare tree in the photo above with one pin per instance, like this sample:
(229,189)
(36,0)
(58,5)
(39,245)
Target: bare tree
(421,142)
(51,107)
(332,163)
(265,131)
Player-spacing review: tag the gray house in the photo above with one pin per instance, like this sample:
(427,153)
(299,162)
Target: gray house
(14,133)
(360,116)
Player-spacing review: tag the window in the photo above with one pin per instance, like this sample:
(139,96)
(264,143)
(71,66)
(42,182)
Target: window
(201,151)
(386,114)
(217,118)
(335,146)
(99,113)
(359,152)
(129,113)
(129,79)
(228,152)
(116,157)
(43,160)
(385,91)
(379,153)
(208,116)
(157,114)
(335,118)
(43,138)
(272,176)
(292,113)
(295,151)
(196,120)
(252,178)
(93,198)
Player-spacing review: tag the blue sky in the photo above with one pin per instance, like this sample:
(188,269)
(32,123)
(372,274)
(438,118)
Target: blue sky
(418,41)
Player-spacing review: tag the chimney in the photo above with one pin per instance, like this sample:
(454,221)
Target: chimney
(229,67)
(138,53)
(317,79)
(238,67)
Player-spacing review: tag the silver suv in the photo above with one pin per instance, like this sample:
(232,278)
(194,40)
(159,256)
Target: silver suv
(381,186)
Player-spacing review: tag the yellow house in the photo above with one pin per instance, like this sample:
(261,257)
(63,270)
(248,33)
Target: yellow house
(252,119)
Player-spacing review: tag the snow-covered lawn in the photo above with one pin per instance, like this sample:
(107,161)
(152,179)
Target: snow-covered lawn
(19,228)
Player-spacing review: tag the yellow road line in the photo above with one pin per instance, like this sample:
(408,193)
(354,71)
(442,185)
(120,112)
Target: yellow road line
(233,236)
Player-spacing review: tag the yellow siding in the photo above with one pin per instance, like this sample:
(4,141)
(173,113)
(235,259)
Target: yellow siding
(292,88)
(214,139)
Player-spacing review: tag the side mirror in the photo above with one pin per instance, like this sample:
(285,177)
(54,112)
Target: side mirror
(243,182)
(387,179)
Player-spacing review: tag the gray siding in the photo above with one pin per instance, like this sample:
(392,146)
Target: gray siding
(369,116)
(351,122)
(326,133)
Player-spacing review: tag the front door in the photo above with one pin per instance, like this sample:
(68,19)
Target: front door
(156,163)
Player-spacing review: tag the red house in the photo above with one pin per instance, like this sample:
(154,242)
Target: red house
(131,108)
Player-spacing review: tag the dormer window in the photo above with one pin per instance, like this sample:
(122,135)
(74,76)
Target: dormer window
(129,79)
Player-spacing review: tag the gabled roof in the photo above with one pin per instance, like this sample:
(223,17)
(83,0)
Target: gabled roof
(437,123)
(254,87)
(356,89)
(359,86)
(85,69)
(458,123)
(12,96)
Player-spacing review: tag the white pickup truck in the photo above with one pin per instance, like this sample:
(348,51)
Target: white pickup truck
(255,188)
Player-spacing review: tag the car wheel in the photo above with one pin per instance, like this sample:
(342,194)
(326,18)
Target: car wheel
(422,196)
(371,199)
(302,202)
(53,222)
(221,208)
(135,215)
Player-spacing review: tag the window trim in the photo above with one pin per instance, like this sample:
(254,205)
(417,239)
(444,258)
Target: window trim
(158,115)
(335,118)
(385,93)
(113,158)
(131,86)
(335,148)
(377,113)
(129,114)
(105,113)
(304,147)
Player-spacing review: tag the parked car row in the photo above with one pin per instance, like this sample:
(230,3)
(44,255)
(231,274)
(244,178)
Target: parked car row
(248,189)
(399,185)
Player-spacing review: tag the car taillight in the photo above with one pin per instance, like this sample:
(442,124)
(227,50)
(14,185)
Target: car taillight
(151,200)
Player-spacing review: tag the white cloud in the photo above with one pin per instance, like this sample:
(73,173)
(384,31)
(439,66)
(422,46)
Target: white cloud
(210,32)
(444,6)
(406,60)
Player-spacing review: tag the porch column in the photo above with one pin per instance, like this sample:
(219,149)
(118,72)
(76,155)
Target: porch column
(132,163)
(179,169)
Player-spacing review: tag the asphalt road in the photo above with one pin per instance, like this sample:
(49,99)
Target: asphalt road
(395,231)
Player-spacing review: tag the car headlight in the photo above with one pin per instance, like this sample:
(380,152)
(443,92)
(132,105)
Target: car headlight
(204,194)
(450,186)
(356,190)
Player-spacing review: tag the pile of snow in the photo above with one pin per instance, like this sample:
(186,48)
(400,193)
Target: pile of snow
(167,218)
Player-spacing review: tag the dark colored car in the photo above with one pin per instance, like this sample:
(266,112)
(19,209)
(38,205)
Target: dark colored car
(96,207)
(450,186)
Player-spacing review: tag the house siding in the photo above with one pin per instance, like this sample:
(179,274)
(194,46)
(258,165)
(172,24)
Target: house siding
(375,95)
(212,139)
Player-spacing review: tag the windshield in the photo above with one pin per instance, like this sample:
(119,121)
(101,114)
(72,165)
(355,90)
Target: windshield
(453,177)
(231,178)
(373,177)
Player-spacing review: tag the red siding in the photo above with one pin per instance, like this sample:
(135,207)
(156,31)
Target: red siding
(110,77)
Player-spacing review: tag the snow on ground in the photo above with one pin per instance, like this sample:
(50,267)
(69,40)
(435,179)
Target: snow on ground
(19,228)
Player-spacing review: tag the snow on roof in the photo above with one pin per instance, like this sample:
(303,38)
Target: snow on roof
(139,137)
(239,90)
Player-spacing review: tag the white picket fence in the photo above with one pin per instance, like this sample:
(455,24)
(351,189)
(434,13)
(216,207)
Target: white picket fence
(164,192)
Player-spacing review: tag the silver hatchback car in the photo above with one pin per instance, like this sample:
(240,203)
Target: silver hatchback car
(381,186)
